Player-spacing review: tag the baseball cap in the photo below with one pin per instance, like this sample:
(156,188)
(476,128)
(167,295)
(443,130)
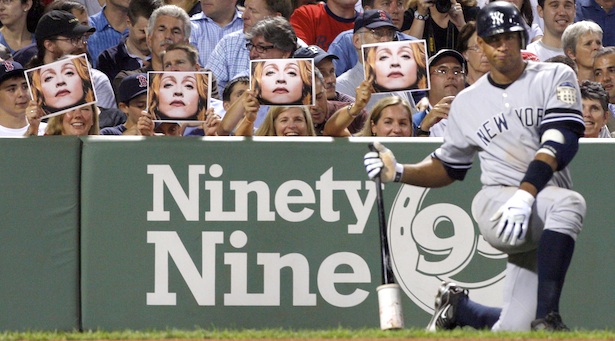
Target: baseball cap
(373,18)
(132,86)
(315,52)
(447,52)
(9,69)
(59,23)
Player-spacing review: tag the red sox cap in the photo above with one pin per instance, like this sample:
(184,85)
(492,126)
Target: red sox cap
(373,18)
(313,51)
(132,86)
(10,69)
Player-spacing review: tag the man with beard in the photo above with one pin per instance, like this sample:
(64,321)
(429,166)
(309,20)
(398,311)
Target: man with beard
(447,79)
(59,34)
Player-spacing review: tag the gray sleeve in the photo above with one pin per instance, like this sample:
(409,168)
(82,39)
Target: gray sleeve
(105,97)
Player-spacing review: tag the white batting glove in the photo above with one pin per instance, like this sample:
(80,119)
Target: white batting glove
(382,162)
(514,217)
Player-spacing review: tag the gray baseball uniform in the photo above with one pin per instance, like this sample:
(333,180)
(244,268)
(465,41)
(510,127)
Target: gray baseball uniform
(503,125)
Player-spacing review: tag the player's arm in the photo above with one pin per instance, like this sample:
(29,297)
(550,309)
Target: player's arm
(559,144)
(430,172)
(547,161)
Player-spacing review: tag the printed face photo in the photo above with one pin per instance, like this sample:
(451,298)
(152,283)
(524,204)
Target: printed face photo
(396,66)
(283,82)
(62,85)
(178,96)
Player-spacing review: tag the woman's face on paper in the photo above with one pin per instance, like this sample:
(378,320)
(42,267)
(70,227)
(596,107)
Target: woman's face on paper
(61,85)
(281,82)
(395,67)
(178,95)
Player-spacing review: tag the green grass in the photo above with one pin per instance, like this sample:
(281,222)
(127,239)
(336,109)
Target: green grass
(340,333)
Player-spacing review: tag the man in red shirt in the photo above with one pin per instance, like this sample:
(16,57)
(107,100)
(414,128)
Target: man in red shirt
(319,24)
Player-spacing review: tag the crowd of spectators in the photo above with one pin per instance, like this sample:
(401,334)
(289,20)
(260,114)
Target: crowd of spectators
(125,39)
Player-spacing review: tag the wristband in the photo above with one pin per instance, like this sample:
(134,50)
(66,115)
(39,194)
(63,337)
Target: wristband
(350,113)
(399,172)
(538,174)
(419,16)
(421,132)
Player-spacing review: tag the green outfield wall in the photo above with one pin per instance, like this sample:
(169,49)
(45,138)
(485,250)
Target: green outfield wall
(234,233)
(39,234)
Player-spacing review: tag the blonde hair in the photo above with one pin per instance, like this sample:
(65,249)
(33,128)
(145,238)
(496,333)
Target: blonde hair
(305,71)
(267,128)
(55,126)
(376,113)
(418,52)
(201,87)
(81,66)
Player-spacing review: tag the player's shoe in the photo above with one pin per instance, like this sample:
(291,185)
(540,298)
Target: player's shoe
(551,322)
(447,298)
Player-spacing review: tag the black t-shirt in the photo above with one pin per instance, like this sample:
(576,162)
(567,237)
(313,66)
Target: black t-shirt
(437,37)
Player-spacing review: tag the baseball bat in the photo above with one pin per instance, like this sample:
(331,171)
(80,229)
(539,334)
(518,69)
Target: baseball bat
(389,294)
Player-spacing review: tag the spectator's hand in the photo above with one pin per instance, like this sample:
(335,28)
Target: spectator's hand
(456,14)
(514,217)
(145,124)
(423,104)
(437,113)
(423,6)
(210,126)
(382,163)
(33,115)
(250,105)
(363,95)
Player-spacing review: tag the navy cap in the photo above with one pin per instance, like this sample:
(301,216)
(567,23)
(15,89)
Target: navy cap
(315,52)
(9,69)
(373,18)
(447,52)
(132,86)
(59,23)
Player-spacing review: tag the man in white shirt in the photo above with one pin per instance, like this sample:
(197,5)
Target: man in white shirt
(14,99)
(557,15)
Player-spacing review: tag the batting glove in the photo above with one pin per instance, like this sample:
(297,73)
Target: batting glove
(514,217)
(382,162)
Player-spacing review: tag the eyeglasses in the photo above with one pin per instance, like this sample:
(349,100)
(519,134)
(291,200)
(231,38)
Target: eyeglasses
(259,48)
(6,2)
(382,33)
(474,48)
(443,72)
(83,40)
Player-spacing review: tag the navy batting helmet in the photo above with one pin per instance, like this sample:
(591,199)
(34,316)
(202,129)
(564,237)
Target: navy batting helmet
(500,17)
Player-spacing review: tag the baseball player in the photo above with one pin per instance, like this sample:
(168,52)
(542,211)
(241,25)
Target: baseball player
(525,130)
